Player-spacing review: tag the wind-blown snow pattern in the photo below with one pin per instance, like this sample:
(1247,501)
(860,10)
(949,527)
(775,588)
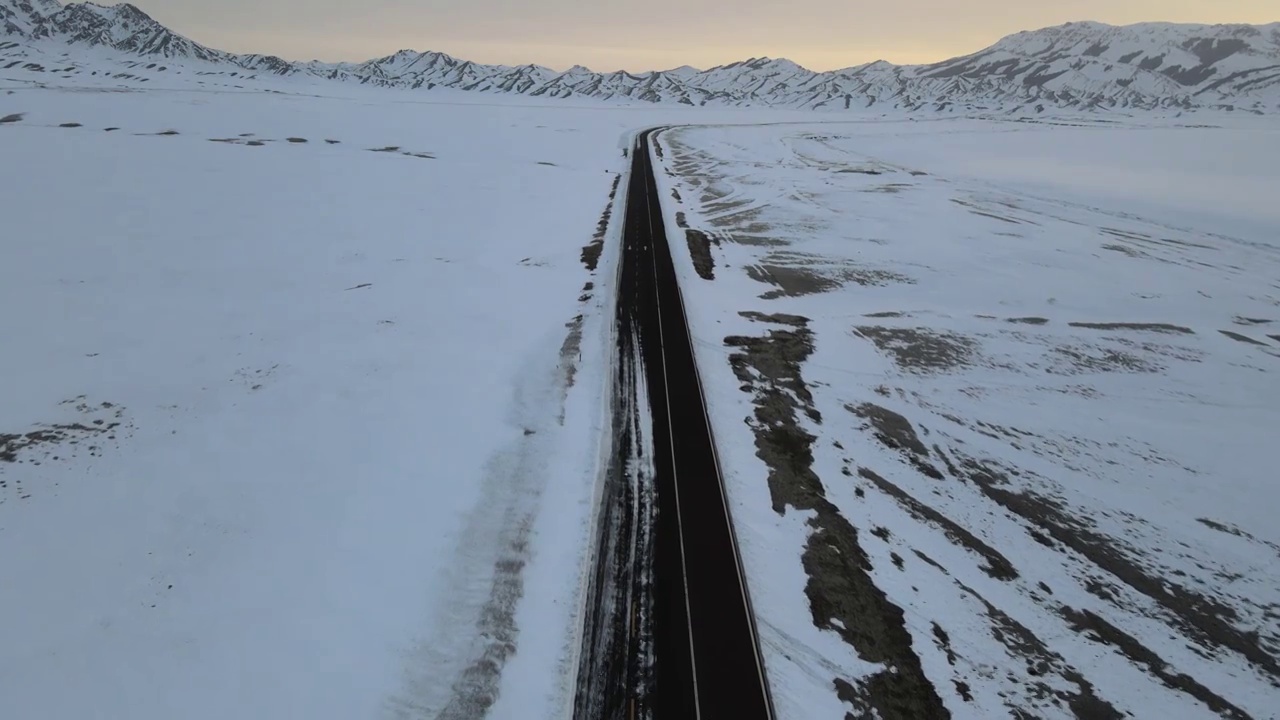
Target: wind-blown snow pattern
(307,398)
(1081,65)
(993,403)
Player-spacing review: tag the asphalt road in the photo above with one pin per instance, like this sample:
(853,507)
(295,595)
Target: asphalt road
(707,661)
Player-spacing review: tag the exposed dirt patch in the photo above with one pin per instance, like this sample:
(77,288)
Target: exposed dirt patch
(1228,529)
(928,560)
(791,281)
(1251,321)
(894,432)
(978,210)
(1085,622)
(46,436)
(797,274)
(1126,234)
(1205,619)
(944,643)
(571,352)
(1088,358)
(868,277)
(70,125)
(11,444)
(757,240)
(296,140)
(1100,588)
(1028,320)
(476,689)
(15,117)
(700,251)
(1041,661)
(889,314)
(1125,250)
(744,220)
(892,429)
(1242,338)
(998,566)
(167,133)
(1184,243)
(591,251)
(1150,327)
(921,350)
(101,424)
(777,318)
(332,142)
(777,358)
(1118,354)
(387,149)
(842,596)
(1233,530)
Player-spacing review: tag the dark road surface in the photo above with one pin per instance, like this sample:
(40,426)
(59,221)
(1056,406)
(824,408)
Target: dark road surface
(705,653)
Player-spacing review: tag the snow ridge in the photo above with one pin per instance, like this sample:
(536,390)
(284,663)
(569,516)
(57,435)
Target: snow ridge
(1080,65)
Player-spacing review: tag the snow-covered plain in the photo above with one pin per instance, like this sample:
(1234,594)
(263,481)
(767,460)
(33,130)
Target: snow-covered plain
(1024,378)
(315,428)
(299,429)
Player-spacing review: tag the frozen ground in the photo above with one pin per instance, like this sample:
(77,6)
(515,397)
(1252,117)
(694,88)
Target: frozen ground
(305,394)
(304,398)
(997,404)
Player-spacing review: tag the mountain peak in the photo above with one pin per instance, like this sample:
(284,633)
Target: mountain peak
(1082,65)
(24,18)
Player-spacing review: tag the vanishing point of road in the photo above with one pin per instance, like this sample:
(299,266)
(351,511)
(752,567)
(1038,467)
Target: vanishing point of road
(701,641)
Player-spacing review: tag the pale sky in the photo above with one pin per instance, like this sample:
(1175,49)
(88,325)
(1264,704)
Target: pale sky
(640,35)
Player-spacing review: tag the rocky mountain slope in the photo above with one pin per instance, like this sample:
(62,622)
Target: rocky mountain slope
(1083,65)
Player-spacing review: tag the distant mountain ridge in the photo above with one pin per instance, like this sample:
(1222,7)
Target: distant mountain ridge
(1081,65)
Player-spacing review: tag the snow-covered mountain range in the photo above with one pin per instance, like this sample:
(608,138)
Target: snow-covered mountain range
(1080,65)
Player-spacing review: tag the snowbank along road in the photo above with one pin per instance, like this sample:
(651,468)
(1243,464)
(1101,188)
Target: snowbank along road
(700,646)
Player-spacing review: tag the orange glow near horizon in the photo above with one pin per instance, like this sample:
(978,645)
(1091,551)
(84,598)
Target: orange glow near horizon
(818,34)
